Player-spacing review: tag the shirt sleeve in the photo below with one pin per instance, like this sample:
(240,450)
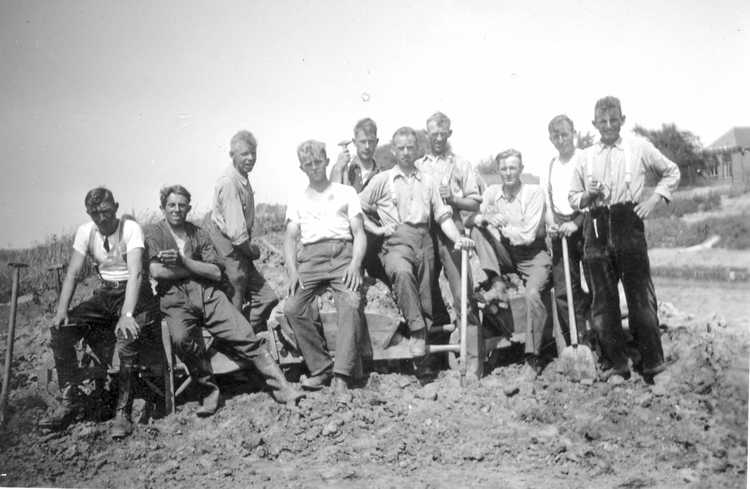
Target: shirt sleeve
(153,245)
(369,195)
(440,210)
(132,234)
(533,215)
(206,249)
(663,167)
(81,240)
(353,205)
(469,183)
(578,182)
(230,203)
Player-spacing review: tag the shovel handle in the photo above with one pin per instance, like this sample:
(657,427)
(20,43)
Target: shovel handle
(569,294)
(464,300)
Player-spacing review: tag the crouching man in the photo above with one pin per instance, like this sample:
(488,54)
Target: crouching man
(122,311)
(187,269)
(327,219)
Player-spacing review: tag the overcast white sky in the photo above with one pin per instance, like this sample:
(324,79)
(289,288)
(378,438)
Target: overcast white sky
(135,95)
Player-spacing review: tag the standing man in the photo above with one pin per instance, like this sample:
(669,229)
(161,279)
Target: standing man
(357,173)
(457,184)
(609,181)
(408,200)
(187,270)
(563,221)
(122,312)
(230,225)
(327,219)
(509,231)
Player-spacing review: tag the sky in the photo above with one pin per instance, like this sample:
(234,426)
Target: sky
(136,95)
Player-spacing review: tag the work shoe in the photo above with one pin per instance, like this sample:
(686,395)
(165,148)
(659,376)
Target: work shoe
(122,426)
(341,389)
(316,382)
(66,412)
(209,403)
(418,343)
(613,374)
(282,391)
(204,377)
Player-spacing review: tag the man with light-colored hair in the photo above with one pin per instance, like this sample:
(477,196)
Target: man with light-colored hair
(509,230)
(230,225)
(327,219)
(609,180)
(408,200)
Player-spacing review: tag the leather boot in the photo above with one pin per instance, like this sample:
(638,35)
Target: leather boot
(283,392)
(122,425)
(205,379)
(66,412)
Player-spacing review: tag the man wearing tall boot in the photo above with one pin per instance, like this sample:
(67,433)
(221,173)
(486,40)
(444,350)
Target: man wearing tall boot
(120,315)
(188,270)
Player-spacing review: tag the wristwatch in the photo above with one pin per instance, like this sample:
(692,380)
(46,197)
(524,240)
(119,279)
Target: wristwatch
(128,314)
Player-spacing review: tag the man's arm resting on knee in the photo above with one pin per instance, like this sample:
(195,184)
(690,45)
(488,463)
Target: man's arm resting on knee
(450,230)
(127,326)
(68,288)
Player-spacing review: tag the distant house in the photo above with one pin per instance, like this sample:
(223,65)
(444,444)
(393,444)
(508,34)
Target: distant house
(728,158)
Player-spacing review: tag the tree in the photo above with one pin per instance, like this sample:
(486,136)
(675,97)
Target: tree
(584,140)
(682,147)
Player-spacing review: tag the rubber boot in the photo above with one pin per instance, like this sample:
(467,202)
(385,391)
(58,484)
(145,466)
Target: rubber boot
(66,412)
(205,379)
(283,392)
(122,425)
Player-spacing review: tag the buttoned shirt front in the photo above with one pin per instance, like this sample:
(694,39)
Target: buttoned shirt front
(623,167)
(398,197)
(233,206)
(523,212)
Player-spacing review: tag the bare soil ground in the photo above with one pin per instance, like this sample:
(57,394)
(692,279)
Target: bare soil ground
(689,429)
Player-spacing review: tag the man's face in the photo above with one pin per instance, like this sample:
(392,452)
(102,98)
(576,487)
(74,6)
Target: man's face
(608,122)
(104,216)
(176,209)
(405,149)
(510,170)
(243,156)
(365,144)
(438,136)
(561,136)
(315,168)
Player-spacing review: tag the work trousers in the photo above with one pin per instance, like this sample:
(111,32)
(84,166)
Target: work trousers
(533,264)
(321,266)
(615,249)
(581,300)
(189,306)
(409,261)
(94,320)
(372,264)
(449,260)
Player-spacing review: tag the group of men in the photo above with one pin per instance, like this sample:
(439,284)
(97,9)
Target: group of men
(402,225)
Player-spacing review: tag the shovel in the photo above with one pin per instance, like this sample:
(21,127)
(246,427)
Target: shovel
(577,361)
(11,337)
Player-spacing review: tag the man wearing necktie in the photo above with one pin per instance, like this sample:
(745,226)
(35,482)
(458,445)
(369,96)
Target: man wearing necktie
(609,180)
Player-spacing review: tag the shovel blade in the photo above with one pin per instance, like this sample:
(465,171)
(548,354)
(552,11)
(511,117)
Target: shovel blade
(578,363)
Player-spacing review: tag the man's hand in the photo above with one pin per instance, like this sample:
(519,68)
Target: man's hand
(568,228)
(59,320)
(343,159)
(644,208)
(386,230)
(594,188)
(553,230)
(496,220)
(294,284)
(464,243)
(127,328)
(446,194)
(169,258)
(253,251)
(352,277)
(480,220)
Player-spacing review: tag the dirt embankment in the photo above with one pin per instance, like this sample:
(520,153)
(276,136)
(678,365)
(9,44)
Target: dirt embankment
(689,429)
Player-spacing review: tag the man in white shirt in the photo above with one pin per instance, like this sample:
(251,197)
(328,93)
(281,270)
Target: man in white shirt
(563,221)
(123,307)
(609,180)
(327,219)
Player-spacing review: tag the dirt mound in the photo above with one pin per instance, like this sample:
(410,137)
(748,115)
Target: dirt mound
(689,429)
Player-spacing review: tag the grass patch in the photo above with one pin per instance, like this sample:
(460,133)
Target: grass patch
(672,232)
(679,206)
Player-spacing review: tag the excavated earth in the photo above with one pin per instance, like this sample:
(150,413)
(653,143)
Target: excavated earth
(688,429)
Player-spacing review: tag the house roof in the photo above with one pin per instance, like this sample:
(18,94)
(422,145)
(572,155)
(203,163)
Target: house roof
(736,136)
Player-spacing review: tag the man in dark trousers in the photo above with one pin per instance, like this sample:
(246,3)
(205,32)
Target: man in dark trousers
(609,180)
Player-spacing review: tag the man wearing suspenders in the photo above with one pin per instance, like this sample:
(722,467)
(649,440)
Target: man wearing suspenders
(122,310)
(609,181)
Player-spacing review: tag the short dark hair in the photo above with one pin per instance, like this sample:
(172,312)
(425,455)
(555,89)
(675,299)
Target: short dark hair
(367,126)
(557,120)
(173,189)
(504,155)
(404,131)
(440,119)
(606,103)
(96,196)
